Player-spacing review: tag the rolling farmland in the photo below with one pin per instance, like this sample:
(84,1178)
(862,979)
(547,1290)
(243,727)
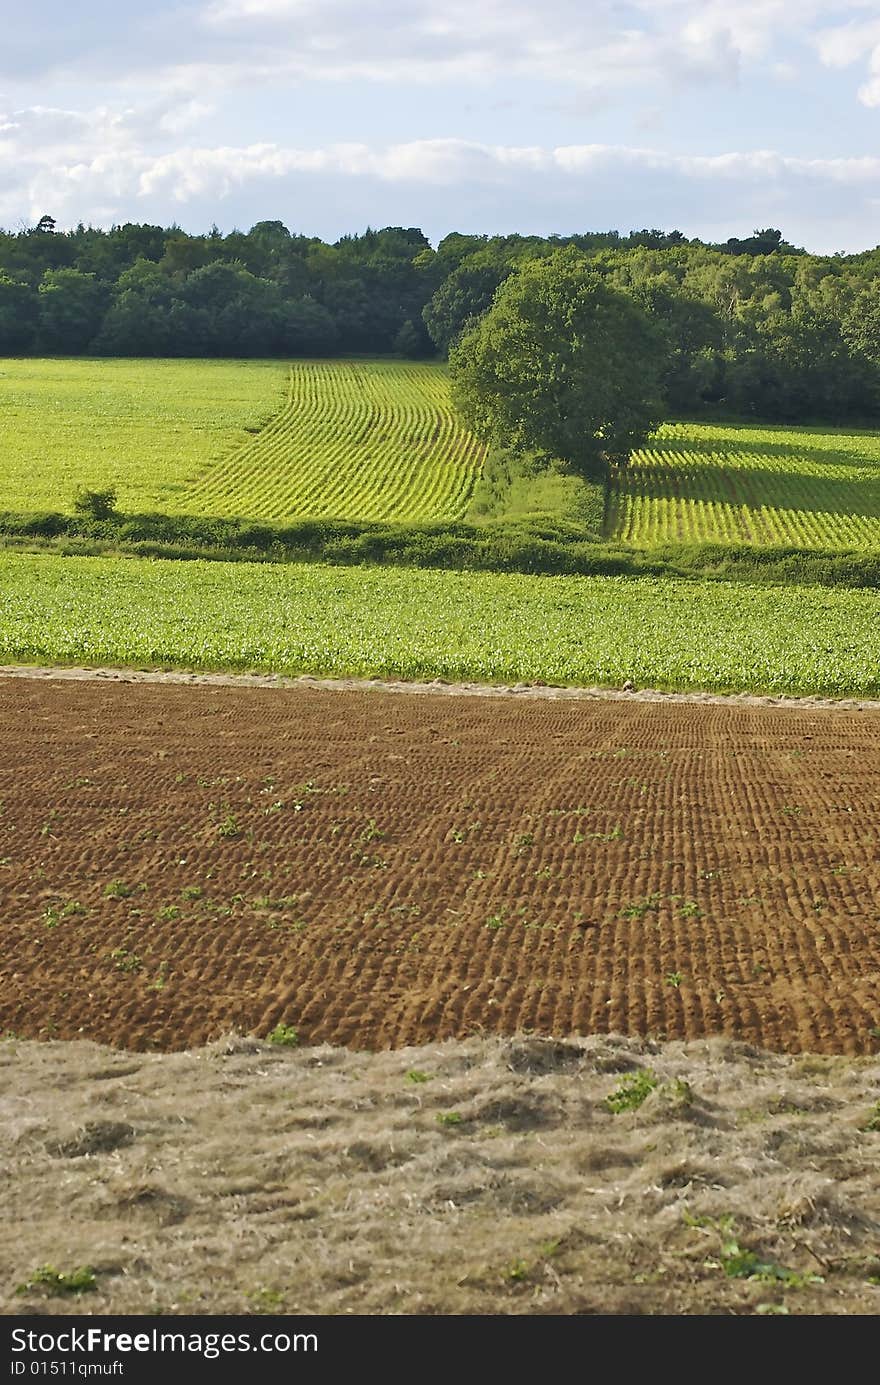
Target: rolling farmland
(702,483)
(361,439)
(377,440)
(652,882)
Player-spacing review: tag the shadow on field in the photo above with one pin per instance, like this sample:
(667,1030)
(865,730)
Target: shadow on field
(791,488)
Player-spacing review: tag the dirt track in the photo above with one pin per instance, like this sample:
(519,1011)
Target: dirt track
(377,870)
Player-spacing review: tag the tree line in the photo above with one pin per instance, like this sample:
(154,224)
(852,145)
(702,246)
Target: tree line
(755,326)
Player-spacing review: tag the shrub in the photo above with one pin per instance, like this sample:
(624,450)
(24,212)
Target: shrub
(98,505)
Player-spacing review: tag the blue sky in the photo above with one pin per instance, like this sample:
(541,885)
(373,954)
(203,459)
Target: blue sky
(478,115)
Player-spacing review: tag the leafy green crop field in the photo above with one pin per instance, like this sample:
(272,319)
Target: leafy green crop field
(423,624)
(356,439)
(702,483)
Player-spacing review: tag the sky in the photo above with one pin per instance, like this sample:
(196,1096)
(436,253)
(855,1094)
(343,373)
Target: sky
(713,117)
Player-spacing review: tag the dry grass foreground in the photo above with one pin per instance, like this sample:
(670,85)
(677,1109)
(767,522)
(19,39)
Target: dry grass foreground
(483,1176)
(378,870)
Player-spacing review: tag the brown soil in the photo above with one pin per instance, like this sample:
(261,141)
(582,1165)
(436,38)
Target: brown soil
(180,861)
(481,1176)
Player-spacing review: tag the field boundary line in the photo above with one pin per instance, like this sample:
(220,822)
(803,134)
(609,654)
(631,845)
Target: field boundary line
(437,687)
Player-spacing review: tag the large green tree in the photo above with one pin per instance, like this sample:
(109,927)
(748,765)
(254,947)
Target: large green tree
(465,294)
(18,314)
(562,364)
(71,306)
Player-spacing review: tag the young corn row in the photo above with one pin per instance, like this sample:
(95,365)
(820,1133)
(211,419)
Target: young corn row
(355,440)
(701,484)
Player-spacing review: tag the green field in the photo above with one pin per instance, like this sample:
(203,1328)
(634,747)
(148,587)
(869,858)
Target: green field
(376,440)
(702,483)
(424,624)
(357,439)
(150,428)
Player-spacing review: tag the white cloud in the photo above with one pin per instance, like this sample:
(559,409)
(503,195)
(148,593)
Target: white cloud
(842,45)
(599,49)
(561,40)
(599,44)
(593,46)
(99,160)
(869,92)
(177,118)
(51,157)
(188,173)
(845,44)
(171,124)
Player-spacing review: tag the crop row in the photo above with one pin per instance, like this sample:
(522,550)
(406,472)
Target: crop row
(346,439)
(703,484)
(355,440)
(425,624)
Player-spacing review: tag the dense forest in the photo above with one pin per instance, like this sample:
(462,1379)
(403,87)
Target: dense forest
(754,326)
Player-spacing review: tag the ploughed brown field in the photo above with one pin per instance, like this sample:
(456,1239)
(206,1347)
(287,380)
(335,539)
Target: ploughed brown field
(179,862)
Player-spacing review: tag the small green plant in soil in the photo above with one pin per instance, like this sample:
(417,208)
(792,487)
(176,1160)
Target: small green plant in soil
(161,978)
(229,827)
(60,1283)
(265,1300)
(124,960)
(633,1089)
(739,1262)
(615,835)
(371,832)
(872,1124)
(117,889)
(638,910)
(285,1035)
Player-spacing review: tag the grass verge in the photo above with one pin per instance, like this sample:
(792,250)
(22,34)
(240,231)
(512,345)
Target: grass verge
(529,545)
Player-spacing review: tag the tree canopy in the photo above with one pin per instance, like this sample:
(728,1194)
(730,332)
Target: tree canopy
(752,325)
(562,364)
